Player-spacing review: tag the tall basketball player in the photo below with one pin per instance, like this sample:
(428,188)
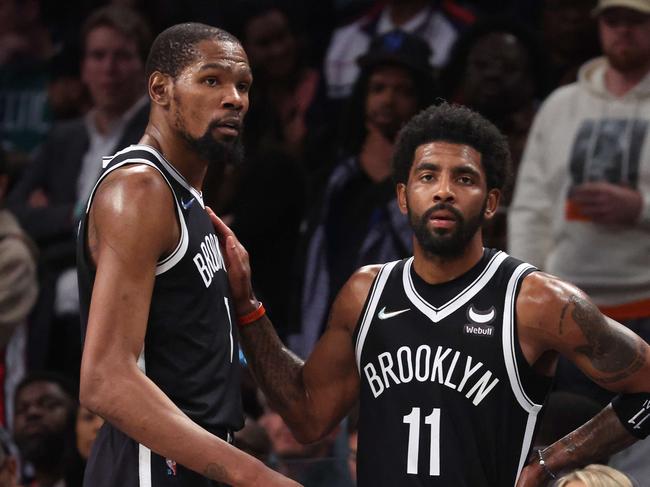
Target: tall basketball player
(451,352)
(160,360)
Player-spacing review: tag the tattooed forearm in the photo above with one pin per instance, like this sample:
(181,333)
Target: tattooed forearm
(277,370)
(616,354)
(594,441)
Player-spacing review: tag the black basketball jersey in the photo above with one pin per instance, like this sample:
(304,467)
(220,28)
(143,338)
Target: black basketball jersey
(191,347)
(447,397)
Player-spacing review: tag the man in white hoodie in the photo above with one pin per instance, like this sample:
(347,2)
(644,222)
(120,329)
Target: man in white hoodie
(581,207)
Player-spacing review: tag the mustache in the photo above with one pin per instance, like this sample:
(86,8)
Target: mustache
(443,207)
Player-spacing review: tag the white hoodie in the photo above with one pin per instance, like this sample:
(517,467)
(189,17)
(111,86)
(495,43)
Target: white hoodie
(584,133)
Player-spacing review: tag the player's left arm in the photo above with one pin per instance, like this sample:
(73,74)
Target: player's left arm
(556,316)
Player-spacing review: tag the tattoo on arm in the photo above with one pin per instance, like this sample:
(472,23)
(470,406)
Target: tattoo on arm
(562,315)
(594,441)
(614,354)
(277,370)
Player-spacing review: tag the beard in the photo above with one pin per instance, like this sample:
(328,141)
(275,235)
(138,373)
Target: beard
(213,150)
(627,60)
(216,152)
(442,242)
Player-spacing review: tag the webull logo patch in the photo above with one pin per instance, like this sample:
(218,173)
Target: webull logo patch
(479,322)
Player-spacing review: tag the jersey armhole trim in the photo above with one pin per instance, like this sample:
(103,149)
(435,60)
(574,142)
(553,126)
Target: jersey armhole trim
(179,251)
(508,340)
(370,308)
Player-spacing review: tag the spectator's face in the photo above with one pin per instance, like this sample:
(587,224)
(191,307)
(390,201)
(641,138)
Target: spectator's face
(568,26)
(270,44)
(625,38)
(210,98)
(41,419)
(497,77)
(391,100)
(87,426)
(112,70)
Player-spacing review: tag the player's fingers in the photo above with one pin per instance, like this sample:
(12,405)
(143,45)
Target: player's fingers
(221,228)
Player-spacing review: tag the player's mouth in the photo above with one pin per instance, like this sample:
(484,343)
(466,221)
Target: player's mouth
(443,219)
(230,127)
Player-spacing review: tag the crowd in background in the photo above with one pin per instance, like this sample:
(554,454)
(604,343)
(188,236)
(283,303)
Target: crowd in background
(333,83)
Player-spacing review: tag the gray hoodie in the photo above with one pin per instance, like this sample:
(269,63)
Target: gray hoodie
(584,133)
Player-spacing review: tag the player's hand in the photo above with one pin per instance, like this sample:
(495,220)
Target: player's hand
(237,265)
(609,204)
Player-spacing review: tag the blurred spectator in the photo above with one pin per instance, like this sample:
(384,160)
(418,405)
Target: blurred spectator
(358,221)
(8,461)
(435,22)
(18,291)
(284,98)
(66,93)
(497,68)
(312,465)
(87,426)
(594,476)
(25,48)
(570,37)
(51,195)
(581,208)
(254,440)
(44,430)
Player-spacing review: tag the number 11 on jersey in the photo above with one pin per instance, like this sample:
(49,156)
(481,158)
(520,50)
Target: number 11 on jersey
(433,420)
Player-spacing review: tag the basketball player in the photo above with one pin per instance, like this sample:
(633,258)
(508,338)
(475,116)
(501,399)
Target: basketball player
(160,359)
(451,352)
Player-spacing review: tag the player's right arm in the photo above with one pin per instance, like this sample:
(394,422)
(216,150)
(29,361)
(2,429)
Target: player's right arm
(132,224)
(312,396)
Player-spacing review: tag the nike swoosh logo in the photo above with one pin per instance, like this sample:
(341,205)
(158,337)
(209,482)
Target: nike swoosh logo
(186,206)
(480,318)
(383,315)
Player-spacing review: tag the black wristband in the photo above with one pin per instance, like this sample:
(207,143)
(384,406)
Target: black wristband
(633,410)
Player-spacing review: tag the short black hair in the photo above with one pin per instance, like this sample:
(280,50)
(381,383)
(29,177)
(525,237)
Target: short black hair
(124,20)
(175,47)
(455,124)
(66,384)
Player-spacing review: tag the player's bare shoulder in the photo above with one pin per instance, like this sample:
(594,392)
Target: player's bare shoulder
(133,204)
(544,299)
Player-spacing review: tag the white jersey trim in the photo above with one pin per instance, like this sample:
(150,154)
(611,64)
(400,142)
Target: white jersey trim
(510,360)
(508,341)
(170,168)
(144,453)
(436,314)
(172,259)
(369,313)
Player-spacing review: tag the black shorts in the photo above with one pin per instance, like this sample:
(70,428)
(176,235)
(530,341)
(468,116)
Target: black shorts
(118,461)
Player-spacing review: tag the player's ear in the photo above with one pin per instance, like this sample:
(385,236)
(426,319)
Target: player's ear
(401,197)
(160,88)
(492,203)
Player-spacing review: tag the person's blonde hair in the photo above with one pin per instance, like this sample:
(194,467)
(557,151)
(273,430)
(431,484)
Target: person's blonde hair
(596,476)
